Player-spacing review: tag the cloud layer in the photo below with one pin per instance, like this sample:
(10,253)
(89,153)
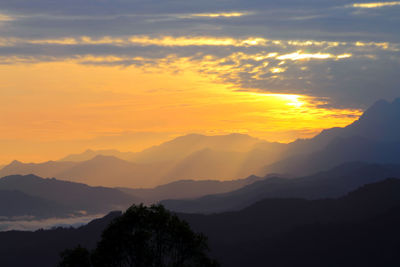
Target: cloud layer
(342,50)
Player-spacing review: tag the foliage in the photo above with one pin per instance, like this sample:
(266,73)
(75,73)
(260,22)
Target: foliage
(77,257)
(145,237)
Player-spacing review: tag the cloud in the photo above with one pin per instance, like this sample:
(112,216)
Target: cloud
(4,17)
(141,41)
(220,15)
(318,68)
(299,55)
(299,47)
(376,4)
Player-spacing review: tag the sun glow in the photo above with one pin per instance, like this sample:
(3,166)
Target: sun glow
(88,102)
(376,4)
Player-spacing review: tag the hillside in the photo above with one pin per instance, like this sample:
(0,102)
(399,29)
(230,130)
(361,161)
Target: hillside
(333,183)
(358,228)
(195,157)
(17,205)
(188,189)
(374,137)
(73,197)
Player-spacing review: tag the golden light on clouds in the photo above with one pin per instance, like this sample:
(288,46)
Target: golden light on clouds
(143,41)
(299,55)
(376,4)
(222,14)
(277,70)
(4,17)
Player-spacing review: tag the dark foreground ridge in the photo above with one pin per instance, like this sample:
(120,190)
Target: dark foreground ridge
(359,229)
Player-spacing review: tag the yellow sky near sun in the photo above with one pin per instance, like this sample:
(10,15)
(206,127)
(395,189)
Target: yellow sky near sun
(61,102)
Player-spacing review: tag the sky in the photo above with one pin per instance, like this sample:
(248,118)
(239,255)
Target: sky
(130,74)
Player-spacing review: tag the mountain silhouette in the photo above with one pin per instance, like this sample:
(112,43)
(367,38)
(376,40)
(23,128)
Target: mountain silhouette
(339,151)
(333,183)
(98,171)
(89,154)
(380,122)
(183,146)
(361,227)
(357,229)
(111,171)
(195,157)
(43,247)
(46,169)
(68,196)
(374,137)
(188,189)
(15,204)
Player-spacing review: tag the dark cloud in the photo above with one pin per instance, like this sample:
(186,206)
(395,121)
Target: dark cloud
(370,73)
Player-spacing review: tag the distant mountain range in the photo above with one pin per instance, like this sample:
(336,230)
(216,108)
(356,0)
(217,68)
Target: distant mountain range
(188,189)
(358,229)
(90,154)
(189,157)
(18,205)
(34,198)
(333,183)
(374,137)
(37,198)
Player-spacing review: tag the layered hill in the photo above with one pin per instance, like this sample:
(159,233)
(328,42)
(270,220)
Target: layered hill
(187,189)
(358,229)
(31,195)
(181,147)
(333,183)
(16,205)
(196,157)
(89,154)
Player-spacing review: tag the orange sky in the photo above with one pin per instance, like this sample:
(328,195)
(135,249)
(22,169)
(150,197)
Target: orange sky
(51,109)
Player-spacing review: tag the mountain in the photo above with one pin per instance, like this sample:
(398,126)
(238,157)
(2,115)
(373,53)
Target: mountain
(46,169)
(75,197)
(380,122)
(43,247)
(339,151)
(188,189)
(100,170)
(184,146)
(90,154)
(195,157)
(15,204)
(111,171)
(208,164)
(374,137)
(358,229)
(333,183)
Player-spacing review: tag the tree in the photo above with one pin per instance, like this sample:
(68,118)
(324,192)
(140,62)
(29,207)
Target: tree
(77,257)
(150,237)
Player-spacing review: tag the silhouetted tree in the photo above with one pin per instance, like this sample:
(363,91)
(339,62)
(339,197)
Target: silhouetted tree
(147,237)
(77,257)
